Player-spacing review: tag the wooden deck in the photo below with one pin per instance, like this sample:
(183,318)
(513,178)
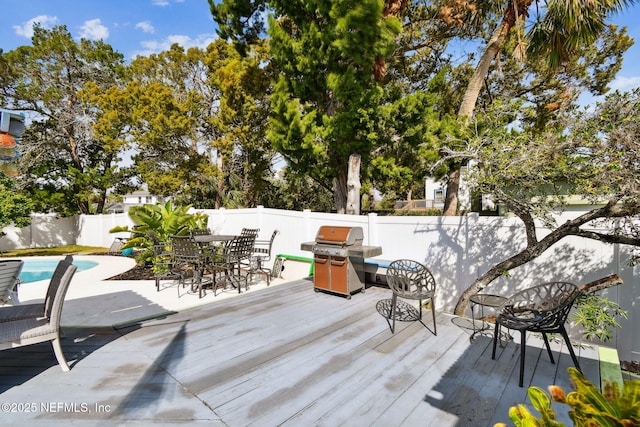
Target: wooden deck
(282,356)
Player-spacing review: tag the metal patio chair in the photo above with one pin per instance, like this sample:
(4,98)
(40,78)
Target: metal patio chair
(163,264)
(542,308)
(261,255)
(199,232)
(409,279)
(187,253)
(228,264)
(250,232)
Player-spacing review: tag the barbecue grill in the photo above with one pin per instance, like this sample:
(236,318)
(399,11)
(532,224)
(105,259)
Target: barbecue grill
(339,254)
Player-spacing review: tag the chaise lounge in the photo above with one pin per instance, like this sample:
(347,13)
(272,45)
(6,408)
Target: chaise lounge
(26,331)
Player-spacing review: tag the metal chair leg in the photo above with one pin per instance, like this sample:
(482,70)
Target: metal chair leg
(546,343)
(433,314)
(496,331)
(564,334)
(523,334)
(392,313)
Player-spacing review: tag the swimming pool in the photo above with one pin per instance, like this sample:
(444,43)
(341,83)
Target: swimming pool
(34,270)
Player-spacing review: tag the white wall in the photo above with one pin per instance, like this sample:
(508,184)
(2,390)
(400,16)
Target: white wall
(456,249)
(45,230)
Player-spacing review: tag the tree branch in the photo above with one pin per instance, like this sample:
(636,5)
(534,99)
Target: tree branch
(600,284)
(607,238)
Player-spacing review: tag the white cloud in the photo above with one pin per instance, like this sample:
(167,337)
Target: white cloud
(164,3)
(26,29)
(625,84)
(94,30)
(145,26)
(157,46)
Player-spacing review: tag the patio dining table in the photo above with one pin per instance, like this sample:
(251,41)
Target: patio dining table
(213,238)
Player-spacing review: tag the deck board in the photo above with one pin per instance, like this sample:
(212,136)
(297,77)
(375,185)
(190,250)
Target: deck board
(285,355)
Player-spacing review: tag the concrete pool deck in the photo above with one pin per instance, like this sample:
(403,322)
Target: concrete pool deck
(92,300)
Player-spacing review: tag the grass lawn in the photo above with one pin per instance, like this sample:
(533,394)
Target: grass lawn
(60,250)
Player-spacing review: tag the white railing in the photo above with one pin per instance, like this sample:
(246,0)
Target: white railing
(456,249)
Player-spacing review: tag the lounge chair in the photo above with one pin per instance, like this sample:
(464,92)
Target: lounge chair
(116,245)
(18,333)
(36,310)
(9,279)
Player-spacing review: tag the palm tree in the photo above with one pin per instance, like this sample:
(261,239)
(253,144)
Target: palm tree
(561,26)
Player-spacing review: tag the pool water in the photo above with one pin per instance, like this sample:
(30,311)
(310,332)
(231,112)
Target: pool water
(32,271)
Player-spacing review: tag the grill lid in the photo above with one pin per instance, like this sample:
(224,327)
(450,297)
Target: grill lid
(337,235)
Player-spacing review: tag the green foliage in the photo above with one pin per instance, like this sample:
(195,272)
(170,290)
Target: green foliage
(325,101)
(521,416)
(611,407)
(408,131)
(169,100)
(598,316)
(198,118)
(296,192)
(15,207)
(155,223)
(243,152)
(415,212)
(62,156)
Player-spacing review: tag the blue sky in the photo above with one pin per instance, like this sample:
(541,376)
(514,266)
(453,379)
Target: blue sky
(132,27)
(141,27)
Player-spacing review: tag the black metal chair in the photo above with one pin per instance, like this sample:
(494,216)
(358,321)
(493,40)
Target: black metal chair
(199,232)
(261,254)
(227,265)
(187,252)
(250,232)
(542,308)
(409,279)
(163,265)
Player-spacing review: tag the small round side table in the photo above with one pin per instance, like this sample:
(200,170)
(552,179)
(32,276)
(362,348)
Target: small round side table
(483,300)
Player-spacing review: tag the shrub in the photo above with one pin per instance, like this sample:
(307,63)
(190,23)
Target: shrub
(155,223)
(612,407)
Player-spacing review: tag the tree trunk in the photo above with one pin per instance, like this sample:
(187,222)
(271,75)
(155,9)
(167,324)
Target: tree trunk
(470,97)
(83,207)
(372,199)
(101,201)
(484,280)
(391,8)
(353,185)
(340,191)
(220,181)
(472,92)
(536,248)
(451,193)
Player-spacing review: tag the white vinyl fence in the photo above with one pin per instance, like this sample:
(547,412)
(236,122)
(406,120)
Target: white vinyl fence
(456,249)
